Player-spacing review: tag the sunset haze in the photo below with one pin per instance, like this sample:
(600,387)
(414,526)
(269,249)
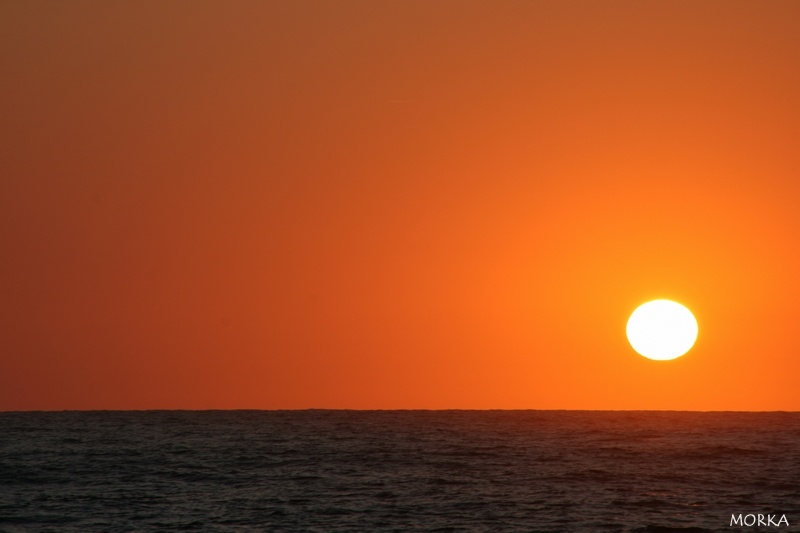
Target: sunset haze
(396,204)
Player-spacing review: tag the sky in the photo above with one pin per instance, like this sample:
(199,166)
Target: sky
(404,204)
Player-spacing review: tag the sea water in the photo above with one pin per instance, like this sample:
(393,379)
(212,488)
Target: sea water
(320,470)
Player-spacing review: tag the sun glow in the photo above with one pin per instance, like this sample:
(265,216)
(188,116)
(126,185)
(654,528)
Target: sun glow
(662,330)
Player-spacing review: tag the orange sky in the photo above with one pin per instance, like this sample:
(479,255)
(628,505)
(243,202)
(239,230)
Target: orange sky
(396,204)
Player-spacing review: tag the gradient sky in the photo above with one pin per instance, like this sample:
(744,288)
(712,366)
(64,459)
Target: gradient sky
(396,204)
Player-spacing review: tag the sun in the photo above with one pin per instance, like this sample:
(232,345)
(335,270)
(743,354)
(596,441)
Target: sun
(662,330)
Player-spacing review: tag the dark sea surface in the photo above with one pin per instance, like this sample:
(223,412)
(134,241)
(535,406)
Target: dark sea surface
(582,471)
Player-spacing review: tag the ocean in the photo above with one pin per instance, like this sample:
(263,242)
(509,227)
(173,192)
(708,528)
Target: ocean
(416,471)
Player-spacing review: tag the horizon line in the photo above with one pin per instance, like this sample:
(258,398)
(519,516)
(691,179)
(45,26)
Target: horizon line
(317,409)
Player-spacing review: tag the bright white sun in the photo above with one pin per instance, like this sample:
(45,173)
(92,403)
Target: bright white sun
(662,330)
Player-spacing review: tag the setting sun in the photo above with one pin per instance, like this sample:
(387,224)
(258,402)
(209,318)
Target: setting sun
(662,330)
